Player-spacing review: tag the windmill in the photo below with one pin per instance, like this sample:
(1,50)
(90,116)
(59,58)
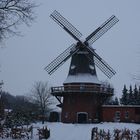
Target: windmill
(82,47)
(83,94)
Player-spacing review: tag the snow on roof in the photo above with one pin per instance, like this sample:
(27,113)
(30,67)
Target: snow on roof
(121,106)
(57,109)
(82,78)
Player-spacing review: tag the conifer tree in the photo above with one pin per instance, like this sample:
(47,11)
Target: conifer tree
(131,96)
(116,101)
(124,98)
(139,96)
(135,95)
(131,99)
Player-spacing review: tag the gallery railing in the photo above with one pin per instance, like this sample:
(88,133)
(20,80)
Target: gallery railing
(82,88)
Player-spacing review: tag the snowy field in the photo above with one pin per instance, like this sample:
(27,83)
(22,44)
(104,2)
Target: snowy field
(60,131)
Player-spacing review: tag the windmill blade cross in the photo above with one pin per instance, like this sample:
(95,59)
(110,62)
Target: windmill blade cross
(67,26)
(56,63)
(74,48)
(101,30)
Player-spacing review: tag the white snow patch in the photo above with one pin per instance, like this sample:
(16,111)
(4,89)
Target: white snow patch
(82,78)
(91,67)
(73,67)
(61,131)
(82,52)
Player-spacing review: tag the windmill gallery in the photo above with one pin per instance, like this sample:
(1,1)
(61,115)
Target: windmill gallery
(82,95)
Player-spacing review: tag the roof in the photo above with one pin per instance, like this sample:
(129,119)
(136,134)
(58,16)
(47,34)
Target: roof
(82,78)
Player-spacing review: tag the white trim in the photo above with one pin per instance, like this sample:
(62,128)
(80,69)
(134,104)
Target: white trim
(117,106)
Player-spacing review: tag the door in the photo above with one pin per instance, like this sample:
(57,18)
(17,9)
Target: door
(82,117)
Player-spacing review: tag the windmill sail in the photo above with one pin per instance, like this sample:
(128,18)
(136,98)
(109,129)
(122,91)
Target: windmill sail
(101,30)
(56,63)
(67,26)
(103,68)
(101,64)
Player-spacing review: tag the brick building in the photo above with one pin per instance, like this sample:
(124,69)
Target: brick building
(125,113)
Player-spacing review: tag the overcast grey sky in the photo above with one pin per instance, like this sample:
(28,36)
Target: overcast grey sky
(23,59)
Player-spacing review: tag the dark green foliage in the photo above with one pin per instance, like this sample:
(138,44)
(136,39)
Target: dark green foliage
(136,95)
(131,96)
(19,109)
(7,99)
(17,102)
(116,101)
(20,118)
(124,99)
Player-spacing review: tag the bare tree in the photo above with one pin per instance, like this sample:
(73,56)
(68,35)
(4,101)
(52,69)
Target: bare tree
(41,95)
(14,13)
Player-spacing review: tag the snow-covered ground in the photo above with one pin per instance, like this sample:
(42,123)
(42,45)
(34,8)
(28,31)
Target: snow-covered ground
(61,131)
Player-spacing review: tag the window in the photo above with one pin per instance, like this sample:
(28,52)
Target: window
(117,115)
(82,87)
(126,114)
(66,115)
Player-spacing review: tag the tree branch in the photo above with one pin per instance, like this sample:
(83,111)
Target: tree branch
(14,13)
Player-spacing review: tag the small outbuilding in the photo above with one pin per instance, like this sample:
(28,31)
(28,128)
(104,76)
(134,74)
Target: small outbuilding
(124,113)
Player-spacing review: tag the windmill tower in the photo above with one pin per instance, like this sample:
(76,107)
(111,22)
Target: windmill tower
(82,94)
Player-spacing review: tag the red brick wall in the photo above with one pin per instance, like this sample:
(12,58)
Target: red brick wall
(79,103)
(108,113)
